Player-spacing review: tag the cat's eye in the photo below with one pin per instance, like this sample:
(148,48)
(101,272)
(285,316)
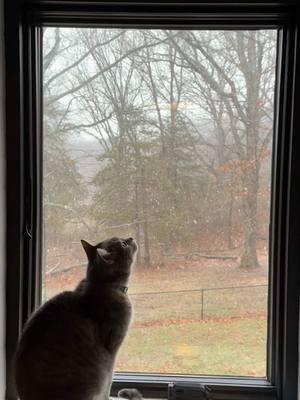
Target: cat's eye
(124,244)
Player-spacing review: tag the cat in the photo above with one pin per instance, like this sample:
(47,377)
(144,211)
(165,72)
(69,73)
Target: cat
(68,347)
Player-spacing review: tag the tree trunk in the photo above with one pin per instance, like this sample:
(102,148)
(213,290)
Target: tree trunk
(230,221)
(147,256)
(249,254)
(252,164)
(137,225)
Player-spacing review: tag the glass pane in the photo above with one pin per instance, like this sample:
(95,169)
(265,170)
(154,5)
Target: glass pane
(166,136)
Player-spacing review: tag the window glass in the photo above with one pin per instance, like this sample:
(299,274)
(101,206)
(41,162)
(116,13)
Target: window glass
(165,136)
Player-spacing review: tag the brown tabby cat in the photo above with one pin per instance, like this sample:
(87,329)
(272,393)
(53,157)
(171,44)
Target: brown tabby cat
(68,348)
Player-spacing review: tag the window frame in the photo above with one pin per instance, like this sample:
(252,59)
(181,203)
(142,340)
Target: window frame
(24,21)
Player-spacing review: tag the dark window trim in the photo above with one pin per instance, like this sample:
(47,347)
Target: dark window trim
(23,103)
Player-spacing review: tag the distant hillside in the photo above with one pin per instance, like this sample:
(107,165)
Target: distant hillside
(85,150)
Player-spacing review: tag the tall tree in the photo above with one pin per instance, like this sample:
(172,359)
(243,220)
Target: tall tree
(238,68)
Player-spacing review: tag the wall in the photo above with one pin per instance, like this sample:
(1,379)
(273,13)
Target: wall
(2,208)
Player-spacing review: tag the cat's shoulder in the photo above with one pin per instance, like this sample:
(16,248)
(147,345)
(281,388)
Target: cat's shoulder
(64,299)
(60,304)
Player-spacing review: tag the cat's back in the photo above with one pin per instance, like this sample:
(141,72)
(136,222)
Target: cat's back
(59,345)
(58,316)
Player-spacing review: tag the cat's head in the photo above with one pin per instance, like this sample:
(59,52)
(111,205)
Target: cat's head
(110,260)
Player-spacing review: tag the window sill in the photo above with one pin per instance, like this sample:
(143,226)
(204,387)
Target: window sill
(221,388)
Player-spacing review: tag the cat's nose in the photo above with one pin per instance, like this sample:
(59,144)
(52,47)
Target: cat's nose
(129,240)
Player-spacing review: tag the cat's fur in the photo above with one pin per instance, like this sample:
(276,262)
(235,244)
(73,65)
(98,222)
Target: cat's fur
(68,348)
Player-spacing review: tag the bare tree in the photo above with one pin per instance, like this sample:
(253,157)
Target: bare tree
(246,102)
(182,123)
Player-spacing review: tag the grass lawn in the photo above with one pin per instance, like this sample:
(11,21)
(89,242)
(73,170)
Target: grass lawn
(229,347)
(168,334)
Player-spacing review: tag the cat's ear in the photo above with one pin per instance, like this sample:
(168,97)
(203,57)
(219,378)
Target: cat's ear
(89,249)
(105,256)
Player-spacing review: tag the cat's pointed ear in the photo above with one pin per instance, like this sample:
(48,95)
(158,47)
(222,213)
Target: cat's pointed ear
(89,249)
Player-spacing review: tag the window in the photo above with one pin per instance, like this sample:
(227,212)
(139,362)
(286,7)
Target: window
(177,129)
(166,136)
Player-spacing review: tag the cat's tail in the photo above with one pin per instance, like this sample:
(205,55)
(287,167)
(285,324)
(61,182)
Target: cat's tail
(131,394)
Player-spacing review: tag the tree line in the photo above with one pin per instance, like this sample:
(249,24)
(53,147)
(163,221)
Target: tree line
(181,123)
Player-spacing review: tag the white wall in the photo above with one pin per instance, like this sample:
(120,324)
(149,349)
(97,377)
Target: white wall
(2,209)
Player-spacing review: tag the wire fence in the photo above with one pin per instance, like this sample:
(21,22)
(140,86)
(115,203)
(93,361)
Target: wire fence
(201,304)
(195,304)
